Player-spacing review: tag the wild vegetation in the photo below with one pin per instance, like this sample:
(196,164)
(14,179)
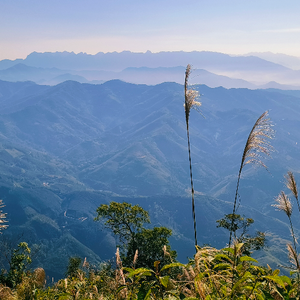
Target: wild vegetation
(145,266)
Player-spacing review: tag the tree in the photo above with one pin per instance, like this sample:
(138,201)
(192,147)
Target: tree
(127,221)
(123,219)
(152,245)
(18,264)
(235,223)
(73,266)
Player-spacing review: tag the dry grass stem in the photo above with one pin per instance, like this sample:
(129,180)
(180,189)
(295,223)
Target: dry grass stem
(190,102)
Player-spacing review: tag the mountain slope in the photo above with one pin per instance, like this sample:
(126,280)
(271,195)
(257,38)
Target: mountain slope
(68,148)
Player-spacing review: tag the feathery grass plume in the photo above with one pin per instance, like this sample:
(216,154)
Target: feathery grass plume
(292,186)
(2,217)
(257,144)
(120,274)
(6,293)
(135,258)
(40,277)
(284,204)
(293,257)
(190,102)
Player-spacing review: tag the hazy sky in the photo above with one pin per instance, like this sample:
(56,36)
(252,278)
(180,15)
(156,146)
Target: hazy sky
(92,26)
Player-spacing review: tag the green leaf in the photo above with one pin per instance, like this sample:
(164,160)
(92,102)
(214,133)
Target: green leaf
(222,256)
(238,247)
(148,295)
(259,297)
(222,266)
(286,279)
(246,276)
(172,265)
(228,250)
(164,280)
(276,272)
(141,271)
(156,263)
(248,258)
(128,269)
(277,280)
(121,288)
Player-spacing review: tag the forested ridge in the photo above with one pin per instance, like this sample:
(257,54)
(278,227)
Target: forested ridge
(127,153)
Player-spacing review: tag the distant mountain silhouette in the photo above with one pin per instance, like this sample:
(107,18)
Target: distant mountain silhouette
(288,61)
(150,68)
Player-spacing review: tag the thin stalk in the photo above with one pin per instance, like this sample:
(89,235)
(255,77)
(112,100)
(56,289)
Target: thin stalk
(293,235)
(235,201)
(190,102)
(192,185)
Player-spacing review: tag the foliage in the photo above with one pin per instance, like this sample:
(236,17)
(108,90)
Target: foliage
(229,273)
(18,264)
(148,245)
(152,245)
(213,274)
(148,270)
(73,266)
(123,219)
(237,224)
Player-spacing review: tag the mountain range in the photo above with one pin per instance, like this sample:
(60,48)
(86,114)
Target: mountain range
(68,148)
(211,68)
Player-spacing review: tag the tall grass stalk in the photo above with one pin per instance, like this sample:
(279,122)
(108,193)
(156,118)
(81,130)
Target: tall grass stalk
(190,102)
(256,145)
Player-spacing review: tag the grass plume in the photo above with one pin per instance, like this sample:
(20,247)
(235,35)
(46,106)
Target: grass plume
(284,204)
(190,102)
(293,257)
(257,145)
(2,217)
(292,186)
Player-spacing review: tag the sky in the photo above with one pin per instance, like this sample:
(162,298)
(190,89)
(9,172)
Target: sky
(92,26)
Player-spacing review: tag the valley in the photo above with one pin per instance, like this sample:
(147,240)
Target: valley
(68,148)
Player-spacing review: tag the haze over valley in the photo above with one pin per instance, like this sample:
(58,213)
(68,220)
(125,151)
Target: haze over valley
(210,68)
